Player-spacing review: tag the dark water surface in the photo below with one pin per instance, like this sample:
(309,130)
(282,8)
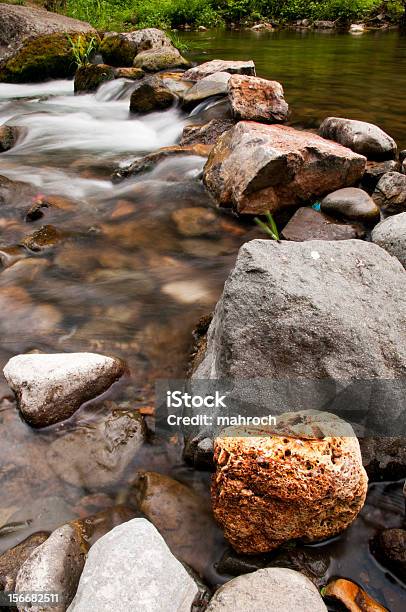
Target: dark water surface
(124,279)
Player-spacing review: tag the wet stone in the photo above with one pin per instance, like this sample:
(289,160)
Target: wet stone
(390,193)
(12,559)
(197,221)
(375,171)
(151,94)
(389,547)
(351,203)
(8,137)
(310,224)
(45,238)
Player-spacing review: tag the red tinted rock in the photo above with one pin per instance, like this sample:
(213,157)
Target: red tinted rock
(309,224)
(257,99)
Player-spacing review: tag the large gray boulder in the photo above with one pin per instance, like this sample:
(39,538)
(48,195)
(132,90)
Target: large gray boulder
(313,309)
(131,568)
(390,234)
(272,589)
(121,48)
(363,138)
(51,387)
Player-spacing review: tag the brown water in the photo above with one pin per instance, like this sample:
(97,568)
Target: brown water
(123,280)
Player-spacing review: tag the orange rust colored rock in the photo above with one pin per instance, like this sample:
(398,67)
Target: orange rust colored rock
(352,596)
(271,488)
(257,99)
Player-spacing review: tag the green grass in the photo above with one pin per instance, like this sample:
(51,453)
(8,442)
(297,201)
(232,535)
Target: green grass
(166,14)
(83,48)
(268,226)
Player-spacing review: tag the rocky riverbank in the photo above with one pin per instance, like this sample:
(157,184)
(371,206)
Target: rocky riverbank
(313,303)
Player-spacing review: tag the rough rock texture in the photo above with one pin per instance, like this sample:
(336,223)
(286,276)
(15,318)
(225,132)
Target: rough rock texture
(131,568)
(384,458)
(266,590)
(212,85)
(120,49)
(257,167)
(54,567)
(164,58)
(88,78)
(274,321)
(114,441)
(199,72)
(270,489)
(43,238)
(390,234)
(389,548)
(20,22)
(255,99)
(12,559)
(50,388)
(350,203)
(375,171)
(8,137)
(128,73)
(310,224)
(207,133)
(150,161)
(363,138)
(151,94)
(181,516)
(390,193)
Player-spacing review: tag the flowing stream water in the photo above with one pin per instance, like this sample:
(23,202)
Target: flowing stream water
(122,278)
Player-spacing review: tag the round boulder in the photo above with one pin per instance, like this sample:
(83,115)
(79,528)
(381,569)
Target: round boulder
(390,234)
(151,94)
(88,78)
(120,49)
(301,480)
(164,58)
(363,138)
(350,203)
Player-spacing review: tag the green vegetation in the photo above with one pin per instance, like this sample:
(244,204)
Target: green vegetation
(82,48)
(128,14)
(268,226)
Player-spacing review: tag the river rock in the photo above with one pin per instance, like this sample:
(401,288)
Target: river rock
(89,77)
(276,589)
(351,203)
(151,94)
(42,239)
(211,85)
(256,167)
(384,457)
(150,161)
(8,137)
(120,49)
(389,548)
(54,567)
(363,138)
(390,234)
(113,444)
(50,388)
(270,488)
(181,516)
(350,596)
(195,221)
(390,193)
(131,568)
(273,321)
(255,99)
(164,58)
(128,73)
(12,559)
(207,133)
(324,25)
(310,224)
(199,72)
(375,171)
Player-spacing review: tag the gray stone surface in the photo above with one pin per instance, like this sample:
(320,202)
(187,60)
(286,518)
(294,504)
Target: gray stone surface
(212,85)
(131,568)
(120,48)
(350,203)
(363,138)
(51,387)
(199,72)
(312,309)
(268,590)
(390,234)
(390,193)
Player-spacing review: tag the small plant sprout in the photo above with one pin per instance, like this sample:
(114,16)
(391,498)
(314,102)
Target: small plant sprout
(83,48)
(269,227)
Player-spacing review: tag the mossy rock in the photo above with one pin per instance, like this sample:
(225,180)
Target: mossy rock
(154,60)
(89,78)
(117,50)
(41,58)
(8,137)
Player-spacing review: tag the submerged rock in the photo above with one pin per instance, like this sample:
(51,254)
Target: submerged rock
(273,321)
(120,49)
(270,488)
(54,567)
(257,167)
(89,77)
(279,589)
(8,137)
(44,238)
(208,133)
(131,568)
(151,94)
(164,58)
(50,388)
(390,234)
(351,203)
(196,221)
(13,559)
(232,67)
(310,224)
(390,193)
(363,138)
(255,99)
